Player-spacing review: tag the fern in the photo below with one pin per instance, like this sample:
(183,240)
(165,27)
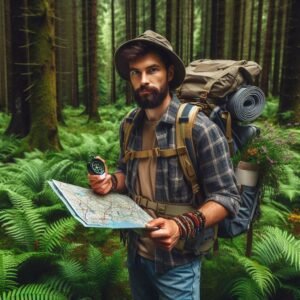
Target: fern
(276,244)
(34,291)
(245,289)
(8,271)
(260,274)
(54,233)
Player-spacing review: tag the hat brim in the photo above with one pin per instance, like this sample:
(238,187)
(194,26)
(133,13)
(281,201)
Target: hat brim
(123,68)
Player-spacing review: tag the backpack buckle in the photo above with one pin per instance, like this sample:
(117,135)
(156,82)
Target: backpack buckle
(161,208)
(203,95)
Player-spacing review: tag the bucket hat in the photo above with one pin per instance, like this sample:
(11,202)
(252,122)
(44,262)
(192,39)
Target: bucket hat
(152,38)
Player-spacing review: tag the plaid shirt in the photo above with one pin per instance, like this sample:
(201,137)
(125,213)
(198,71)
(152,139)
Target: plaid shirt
(218,181)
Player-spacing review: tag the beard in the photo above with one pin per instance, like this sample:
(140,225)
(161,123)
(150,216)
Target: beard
(153,98)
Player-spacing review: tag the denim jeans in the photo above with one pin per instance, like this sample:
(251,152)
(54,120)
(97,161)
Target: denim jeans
(180,283)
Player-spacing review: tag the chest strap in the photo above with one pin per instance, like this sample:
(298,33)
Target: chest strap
(163,209)
(155,152)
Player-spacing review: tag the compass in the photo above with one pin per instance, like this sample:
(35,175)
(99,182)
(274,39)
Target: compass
(96,166)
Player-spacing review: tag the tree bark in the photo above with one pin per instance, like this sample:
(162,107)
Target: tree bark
(267,61)
(258,30)
(74,72)
(20,76)
(92,61)
(113,74)
(290,87)
(236,30)
(5,57)
(278,49)
(153,15)
(44,130)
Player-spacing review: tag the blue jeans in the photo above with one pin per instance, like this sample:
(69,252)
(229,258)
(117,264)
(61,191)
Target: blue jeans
(180,283)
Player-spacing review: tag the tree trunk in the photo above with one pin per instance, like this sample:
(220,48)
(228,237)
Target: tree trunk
(290,87)
(20,112)
(236,30)
(153,15)
(278,49)
(92,61)
(113,74)
(251,30)
(5,57)
(74,72)
(217,29)
(267,61)
(44,131)
(169,20)
(192,18)
(85,56)
(258,30)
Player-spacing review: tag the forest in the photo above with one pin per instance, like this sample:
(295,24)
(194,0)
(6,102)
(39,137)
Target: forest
(61,101)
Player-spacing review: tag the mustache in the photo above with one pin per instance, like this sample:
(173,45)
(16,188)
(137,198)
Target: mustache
(146,89)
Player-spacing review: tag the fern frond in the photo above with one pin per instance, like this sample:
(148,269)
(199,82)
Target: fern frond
(95,263)
(53,235)
(58,170)
(8,271)
(33,291)
(245,289)
(33,174)
(277,244)
(72,270)
(25,227)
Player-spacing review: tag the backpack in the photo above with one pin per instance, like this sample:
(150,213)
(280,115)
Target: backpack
(207,87)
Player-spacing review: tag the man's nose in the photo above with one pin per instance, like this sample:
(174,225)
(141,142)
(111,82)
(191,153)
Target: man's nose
(144,78)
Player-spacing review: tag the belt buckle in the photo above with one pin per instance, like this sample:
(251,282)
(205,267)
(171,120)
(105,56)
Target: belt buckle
(161,208)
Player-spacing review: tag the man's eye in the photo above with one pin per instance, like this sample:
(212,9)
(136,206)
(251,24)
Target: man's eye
(134,73)
(153,70)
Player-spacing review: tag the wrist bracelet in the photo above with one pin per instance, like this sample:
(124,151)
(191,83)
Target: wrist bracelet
(114,183)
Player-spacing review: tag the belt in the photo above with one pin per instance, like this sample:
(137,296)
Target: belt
(163,208)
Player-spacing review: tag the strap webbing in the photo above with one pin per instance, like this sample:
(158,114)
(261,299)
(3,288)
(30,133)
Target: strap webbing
(186,116)
(156,152)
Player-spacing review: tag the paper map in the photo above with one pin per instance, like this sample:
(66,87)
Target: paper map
(92,210)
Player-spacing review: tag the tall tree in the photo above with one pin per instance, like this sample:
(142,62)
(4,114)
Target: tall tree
(290,87)
(74,65)
(267,61)
(93,112)
(236,30)
(20,76)
(5,57)
(258,30)
(113,73)
(43,131)
(278,47)
(85,55)
(217,29)
(153,15)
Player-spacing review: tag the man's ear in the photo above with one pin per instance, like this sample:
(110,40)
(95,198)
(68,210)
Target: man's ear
(170,73)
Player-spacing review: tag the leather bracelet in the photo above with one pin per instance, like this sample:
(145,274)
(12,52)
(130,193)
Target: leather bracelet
(114,183)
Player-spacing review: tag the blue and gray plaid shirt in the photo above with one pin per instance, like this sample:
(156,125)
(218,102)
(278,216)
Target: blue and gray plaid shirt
(217,181)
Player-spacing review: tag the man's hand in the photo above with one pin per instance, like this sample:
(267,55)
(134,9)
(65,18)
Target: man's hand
(100,185)
(167,235)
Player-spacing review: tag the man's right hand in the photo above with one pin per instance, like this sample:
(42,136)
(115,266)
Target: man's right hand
(100,185)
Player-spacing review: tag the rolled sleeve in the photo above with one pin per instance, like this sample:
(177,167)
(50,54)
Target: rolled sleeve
(215,167)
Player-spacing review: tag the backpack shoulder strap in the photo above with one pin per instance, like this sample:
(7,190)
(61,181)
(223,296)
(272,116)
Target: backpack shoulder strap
(185,120)
(128,126)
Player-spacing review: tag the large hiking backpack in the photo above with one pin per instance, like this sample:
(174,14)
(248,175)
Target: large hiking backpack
(223,90)
(223,93)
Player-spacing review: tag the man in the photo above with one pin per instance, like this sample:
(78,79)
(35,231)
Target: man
(158,267)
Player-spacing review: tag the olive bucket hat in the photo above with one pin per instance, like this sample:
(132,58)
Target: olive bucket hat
(151,38)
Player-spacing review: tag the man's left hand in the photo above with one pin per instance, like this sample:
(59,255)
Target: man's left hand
(167,235)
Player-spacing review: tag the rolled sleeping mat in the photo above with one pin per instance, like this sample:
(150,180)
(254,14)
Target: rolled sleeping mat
(246,104)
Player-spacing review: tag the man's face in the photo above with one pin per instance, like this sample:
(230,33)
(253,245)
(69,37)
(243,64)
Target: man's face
(150,80)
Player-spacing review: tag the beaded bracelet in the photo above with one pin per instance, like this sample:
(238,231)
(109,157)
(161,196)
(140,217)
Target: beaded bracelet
(190,223)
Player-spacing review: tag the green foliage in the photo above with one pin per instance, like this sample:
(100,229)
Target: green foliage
(96,278)
(34,291)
